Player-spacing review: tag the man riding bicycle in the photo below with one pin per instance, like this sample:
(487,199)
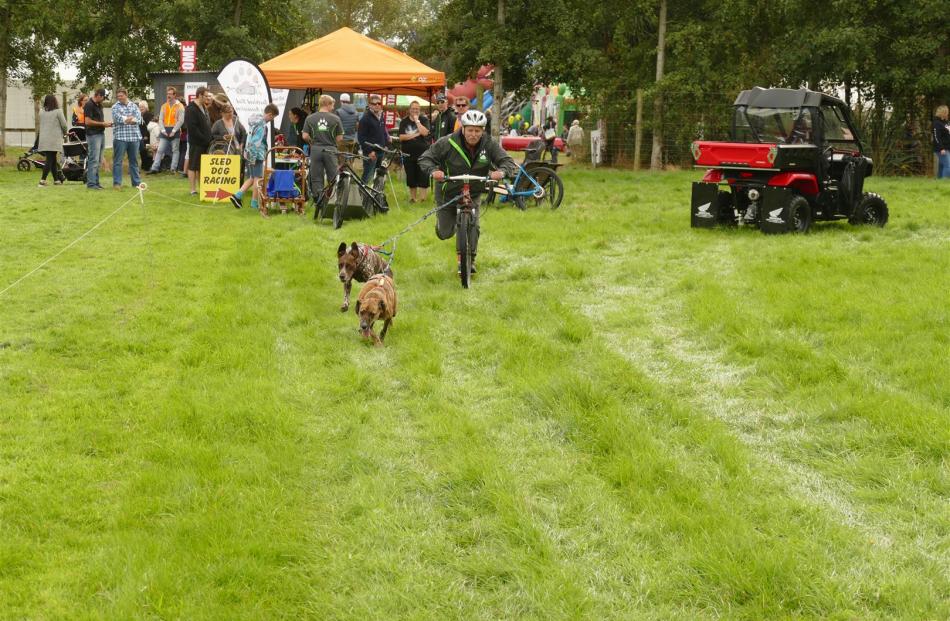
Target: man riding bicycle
(469,151)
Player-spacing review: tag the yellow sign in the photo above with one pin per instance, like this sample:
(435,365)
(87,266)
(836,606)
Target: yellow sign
(220,177)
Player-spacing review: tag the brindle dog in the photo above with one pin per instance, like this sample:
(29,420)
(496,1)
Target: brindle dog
(361,262)
(377,302)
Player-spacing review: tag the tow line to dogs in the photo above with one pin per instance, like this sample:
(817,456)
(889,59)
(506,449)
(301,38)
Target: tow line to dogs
(391,253)
(141,196)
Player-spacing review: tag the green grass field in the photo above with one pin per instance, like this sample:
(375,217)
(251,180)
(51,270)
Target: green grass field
(624,418)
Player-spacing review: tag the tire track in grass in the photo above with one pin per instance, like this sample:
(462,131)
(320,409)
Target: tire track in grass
(671,358)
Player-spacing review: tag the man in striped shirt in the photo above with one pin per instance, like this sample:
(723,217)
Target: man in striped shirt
(125,138)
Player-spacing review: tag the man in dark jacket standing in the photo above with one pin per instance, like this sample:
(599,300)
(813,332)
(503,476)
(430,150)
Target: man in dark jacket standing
(198,125)
(470,151)
(372,129)
(941,141)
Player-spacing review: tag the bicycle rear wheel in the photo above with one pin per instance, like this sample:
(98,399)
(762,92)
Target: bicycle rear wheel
(553,188)
(465,248)
(379,185)
(342,198)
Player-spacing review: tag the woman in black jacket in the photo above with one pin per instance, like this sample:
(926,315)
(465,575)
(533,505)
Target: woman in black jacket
(941,141)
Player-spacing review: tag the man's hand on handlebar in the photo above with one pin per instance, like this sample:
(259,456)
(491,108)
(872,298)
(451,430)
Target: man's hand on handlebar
(438,175)
(497,175)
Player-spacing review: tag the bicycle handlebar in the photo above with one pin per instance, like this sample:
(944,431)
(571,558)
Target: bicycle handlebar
(344,154)
(381,148)
(470,178)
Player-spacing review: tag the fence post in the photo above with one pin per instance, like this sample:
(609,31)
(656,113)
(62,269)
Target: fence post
(638,132)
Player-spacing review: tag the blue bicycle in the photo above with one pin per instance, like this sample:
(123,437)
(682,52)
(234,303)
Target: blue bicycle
(535,185)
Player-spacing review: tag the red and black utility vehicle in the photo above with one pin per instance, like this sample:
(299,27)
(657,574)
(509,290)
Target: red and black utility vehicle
(795,157)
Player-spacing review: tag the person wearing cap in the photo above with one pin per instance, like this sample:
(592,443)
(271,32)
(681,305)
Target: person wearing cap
(95,137)
(372,129)
(323,131)
(348,117)
(443,119)
(469,151)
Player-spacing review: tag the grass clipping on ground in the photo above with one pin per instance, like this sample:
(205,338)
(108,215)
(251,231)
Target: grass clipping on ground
(623,418)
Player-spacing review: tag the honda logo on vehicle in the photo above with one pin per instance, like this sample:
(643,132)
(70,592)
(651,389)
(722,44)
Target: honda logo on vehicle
(703,211)
(774,216)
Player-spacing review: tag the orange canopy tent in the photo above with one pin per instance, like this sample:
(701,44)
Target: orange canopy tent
(347,61)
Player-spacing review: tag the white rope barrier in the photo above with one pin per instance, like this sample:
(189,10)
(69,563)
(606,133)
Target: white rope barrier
(75,241)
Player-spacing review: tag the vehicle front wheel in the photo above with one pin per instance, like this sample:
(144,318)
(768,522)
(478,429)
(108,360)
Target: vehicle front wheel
(871,210)
(23,165)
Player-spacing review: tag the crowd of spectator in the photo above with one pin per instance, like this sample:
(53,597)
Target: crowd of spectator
(176,135)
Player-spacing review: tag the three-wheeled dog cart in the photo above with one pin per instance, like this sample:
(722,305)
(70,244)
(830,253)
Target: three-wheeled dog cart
(285,180)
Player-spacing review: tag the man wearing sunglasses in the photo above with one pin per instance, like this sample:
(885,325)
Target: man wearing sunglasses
(462,106)
(372,129)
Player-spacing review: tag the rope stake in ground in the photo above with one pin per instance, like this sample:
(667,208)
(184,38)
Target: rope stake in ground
(71,244)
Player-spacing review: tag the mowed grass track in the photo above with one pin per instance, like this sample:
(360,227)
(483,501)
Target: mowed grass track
(623,419)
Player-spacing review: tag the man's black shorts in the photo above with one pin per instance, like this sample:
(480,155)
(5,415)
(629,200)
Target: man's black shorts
(195,151)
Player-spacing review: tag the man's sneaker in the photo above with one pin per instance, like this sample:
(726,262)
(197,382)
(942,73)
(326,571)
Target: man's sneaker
(151,172)
(236,201)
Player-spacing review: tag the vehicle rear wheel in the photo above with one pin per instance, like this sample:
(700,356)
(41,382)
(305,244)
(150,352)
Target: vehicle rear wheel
(871,210)
(23,165)
(799,214)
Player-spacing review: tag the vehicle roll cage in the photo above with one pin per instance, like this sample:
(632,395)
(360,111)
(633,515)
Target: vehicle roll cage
(797,101)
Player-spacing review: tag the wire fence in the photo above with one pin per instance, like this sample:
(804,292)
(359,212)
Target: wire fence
(896,135)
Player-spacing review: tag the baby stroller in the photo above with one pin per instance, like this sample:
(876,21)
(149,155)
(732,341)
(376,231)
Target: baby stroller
(75,151)
(285,180)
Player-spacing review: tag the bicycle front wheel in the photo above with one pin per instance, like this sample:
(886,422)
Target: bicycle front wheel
(552,185)
(342,198)
(465,248)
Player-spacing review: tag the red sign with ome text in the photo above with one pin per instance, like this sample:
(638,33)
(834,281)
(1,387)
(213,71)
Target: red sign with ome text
(189,56)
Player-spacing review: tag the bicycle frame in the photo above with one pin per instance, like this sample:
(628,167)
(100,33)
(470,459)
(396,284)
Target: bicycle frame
(536,191)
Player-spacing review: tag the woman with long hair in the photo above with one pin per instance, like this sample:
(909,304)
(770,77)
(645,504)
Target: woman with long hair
(230,129)
(50,140)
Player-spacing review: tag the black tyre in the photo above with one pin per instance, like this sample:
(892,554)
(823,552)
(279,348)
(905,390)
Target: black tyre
(465,249)
(871,210)
(379,185)
(23,165)
(548,179)
(799,214)
(342,197)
